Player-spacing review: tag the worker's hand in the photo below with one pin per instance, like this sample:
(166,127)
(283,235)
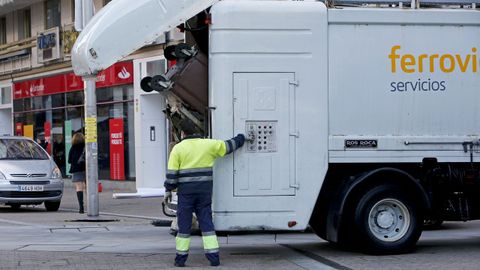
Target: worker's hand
(239,140)
(168,197)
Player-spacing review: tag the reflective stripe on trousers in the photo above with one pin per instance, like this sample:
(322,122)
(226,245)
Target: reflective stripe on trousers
(210,242)
(182,242)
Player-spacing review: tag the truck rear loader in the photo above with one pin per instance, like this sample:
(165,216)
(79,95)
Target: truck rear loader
(363,120)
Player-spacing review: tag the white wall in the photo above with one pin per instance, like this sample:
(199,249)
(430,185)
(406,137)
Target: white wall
(6,126)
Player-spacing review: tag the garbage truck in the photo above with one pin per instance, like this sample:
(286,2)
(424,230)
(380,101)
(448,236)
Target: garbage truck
(363,117)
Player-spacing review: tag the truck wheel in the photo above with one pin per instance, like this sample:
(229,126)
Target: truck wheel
(52,206)
(387,221)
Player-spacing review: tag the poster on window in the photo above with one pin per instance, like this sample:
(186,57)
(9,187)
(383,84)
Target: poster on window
(117,162)
(28,131)
(19,129)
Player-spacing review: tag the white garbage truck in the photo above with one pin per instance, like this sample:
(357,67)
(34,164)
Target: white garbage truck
(363,119)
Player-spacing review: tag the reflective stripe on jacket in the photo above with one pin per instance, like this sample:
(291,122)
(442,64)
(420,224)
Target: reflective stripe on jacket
(190,166)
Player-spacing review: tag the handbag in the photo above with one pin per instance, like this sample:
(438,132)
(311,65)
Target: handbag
(81,159)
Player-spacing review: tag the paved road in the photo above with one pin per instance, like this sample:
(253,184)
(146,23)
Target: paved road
(31,238)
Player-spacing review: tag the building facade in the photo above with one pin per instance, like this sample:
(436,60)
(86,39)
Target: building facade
(41,98)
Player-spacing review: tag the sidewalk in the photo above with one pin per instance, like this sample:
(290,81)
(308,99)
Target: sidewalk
(146,208)
(35,239)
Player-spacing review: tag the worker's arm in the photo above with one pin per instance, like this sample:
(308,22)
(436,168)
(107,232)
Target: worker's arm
(234,143)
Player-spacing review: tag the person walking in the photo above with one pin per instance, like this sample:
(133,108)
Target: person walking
(76,158)
(190,171)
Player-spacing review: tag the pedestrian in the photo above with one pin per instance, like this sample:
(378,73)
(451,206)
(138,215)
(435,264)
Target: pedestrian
(76,158)
(190,171)
(43,144)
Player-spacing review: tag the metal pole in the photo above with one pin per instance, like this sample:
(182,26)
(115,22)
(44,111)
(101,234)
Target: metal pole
(91,144)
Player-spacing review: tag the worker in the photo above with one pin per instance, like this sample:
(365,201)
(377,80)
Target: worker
(190,171)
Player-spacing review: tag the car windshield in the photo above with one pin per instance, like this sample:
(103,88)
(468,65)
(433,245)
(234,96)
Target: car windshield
(20,149)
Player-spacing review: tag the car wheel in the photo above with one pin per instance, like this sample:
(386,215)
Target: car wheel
(386,221)
(15,206)
(52,206)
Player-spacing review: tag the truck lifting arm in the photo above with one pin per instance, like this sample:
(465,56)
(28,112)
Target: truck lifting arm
(125,26)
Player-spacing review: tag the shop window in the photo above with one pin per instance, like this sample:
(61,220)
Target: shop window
(156,67)
(27,104)
(3,30)
(52,13)
(6,95)
(121,112)
(119,93)
(24,24)
(72,4)
(18,105)
(75,98)
(38,103)
(58,100)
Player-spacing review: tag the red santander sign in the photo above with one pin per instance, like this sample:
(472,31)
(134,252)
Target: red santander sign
(118,74)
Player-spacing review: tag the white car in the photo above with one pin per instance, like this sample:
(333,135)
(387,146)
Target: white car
(28,175)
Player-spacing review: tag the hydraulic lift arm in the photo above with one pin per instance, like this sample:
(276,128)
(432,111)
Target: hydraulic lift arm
(124,26)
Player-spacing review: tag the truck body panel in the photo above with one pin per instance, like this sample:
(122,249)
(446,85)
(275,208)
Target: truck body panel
(260,70)
(427,107)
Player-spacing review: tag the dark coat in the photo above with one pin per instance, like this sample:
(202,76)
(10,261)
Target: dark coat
(73,156)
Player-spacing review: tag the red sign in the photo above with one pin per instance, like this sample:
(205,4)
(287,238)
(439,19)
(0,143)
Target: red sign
(118,74)
(48,136)
(117,159)
(19,129)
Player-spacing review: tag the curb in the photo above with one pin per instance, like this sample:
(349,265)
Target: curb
(108,185)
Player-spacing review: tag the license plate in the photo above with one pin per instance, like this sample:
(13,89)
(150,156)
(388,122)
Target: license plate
(30,188)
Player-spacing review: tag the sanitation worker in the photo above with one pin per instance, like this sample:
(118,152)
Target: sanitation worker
(190,171)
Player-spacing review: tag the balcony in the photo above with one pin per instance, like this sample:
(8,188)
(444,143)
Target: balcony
(17,56)
(7,6)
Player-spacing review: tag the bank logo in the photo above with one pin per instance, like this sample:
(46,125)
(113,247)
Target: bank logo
(124,74)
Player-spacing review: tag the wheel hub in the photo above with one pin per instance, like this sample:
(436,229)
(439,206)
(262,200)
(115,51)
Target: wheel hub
(389,220)
(385,219)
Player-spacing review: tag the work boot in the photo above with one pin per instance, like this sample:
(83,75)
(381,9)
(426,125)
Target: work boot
(213,258)
(180,260)
(80,202)
(179,264)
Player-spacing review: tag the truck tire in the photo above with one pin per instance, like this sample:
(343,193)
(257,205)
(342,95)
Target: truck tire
(387,221)
(52,206)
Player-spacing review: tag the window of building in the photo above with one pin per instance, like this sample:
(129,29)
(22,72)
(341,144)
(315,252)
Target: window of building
(72,4)
(3,30)
(52,13)
(24,24)
(6,95)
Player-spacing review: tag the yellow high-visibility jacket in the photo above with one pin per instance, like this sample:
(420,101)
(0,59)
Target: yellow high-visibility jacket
(190,166)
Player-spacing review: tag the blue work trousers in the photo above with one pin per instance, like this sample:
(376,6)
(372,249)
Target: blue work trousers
(201,204)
